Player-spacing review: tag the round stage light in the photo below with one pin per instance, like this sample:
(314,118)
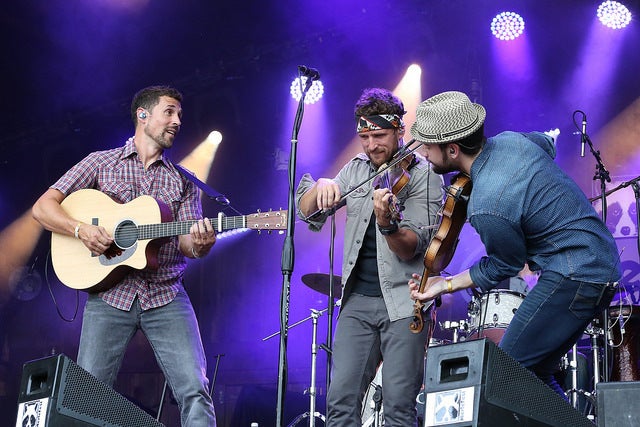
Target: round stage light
(507,26)
(313,95)
(613,14)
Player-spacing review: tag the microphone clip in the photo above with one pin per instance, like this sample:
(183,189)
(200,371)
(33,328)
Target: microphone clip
(311,73)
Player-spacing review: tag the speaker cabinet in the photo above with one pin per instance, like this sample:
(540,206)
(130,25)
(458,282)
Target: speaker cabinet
(56,392)
(475,383)
(618,403)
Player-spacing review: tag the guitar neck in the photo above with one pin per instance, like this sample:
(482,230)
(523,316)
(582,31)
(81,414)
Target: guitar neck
(169,229)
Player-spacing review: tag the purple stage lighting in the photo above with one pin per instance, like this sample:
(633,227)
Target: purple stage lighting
(313,95)
(507,26)
(613,14)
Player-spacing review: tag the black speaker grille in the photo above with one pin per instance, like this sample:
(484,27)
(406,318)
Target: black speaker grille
(84,397)
(507,379)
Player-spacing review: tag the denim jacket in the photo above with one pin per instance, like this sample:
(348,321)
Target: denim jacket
(422,198)
(526,209)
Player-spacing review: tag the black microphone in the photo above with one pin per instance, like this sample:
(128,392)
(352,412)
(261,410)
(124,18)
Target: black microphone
(308,72)
(584,133)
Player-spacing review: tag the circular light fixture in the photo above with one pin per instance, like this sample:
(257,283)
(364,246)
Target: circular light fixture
(314,93)
(507,26)
(613,14)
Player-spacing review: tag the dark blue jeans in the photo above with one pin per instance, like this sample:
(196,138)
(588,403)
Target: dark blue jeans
(550,320)
(172,331)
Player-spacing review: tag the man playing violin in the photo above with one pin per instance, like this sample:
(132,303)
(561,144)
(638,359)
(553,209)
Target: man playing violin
(535,215)
(381,250)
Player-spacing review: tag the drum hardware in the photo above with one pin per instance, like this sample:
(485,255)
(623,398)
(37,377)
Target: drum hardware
(570,363)
(311,391)
(456,327)
(372,414)
(375,420)
(312,414)
(594,332)
(572,366)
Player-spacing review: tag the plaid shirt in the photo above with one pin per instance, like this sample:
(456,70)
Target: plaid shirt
(120,174)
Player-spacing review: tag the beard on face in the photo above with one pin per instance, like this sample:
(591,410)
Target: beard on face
(445,166)
(442,169)
(163,138)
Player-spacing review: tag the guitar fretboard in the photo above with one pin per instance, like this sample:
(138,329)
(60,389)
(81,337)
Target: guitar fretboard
(167,229)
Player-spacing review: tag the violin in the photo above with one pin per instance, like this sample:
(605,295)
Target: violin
(444,242)
(395,179)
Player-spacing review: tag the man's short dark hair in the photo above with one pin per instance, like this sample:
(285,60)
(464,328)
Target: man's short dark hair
(149,97)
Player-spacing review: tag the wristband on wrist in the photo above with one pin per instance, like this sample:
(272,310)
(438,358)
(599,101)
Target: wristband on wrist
(387,231)
(77,230)
(193,252)
(449,281)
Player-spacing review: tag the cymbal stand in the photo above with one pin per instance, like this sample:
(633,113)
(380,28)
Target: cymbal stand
(595,351)
(574,375)
(573,369)
(312,414)
(375,420)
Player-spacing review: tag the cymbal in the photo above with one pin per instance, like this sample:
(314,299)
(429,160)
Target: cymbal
(320,282)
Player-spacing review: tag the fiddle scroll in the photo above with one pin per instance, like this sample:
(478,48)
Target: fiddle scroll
(444,242)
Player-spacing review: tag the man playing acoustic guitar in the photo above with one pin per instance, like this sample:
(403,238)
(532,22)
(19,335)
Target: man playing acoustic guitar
(152,300)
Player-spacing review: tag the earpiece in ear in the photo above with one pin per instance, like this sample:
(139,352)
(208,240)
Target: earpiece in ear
(142,115)
(452,151)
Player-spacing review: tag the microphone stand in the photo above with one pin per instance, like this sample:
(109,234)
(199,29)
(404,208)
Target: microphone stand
(603,175)
(288,258)
(331,303)
(636,193)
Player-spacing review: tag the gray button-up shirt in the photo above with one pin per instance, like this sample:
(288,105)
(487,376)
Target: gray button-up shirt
(422,199)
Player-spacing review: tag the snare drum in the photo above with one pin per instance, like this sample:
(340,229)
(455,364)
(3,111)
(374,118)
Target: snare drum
(624,324)
(491,314)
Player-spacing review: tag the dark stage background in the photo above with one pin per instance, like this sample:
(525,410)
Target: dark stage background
(71,68)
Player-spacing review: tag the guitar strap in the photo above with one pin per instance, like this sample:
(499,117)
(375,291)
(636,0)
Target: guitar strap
(210,192)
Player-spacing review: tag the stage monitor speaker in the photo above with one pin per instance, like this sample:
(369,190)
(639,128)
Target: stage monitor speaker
(56,392)
(617,403)
(475,383)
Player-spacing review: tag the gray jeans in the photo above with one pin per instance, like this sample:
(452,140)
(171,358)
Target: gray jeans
(172,331)
(365,337)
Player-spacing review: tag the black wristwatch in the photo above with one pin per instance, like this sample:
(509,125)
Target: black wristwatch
(388,231)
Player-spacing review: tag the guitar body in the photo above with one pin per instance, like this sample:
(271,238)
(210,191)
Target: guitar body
(74,264)
(138,227)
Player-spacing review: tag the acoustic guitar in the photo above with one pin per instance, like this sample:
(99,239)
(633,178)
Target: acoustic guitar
(139,228)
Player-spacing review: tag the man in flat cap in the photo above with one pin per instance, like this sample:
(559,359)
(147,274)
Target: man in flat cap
(526,210)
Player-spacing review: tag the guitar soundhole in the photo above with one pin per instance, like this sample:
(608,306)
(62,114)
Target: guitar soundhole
(126,234)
